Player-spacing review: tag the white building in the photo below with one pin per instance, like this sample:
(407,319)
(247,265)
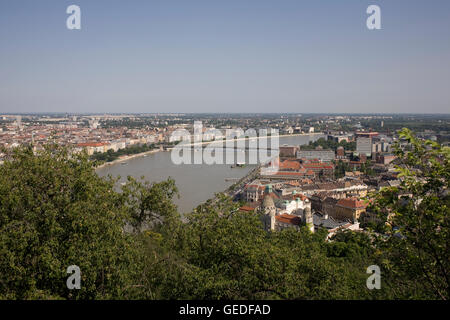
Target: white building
(364,146)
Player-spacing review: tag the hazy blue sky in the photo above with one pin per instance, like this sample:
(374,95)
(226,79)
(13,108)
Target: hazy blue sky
(225,56)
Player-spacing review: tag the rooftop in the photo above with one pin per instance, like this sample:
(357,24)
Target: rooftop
(288,218)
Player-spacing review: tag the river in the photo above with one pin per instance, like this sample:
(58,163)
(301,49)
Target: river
(196,182)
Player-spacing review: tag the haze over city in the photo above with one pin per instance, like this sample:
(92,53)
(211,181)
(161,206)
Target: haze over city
(224,56)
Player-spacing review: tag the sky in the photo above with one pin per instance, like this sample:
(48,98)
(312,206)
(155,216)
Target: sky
(226,56)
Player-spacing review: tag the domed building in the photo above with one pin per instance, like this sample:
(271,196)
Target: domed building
(268,205)
(268,209)
(308,217)
(276,210)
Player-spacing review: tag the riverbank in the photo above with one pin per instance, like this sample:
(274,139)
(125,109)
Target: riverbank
(129,157)
(196,183)
(255,138)
(126,158)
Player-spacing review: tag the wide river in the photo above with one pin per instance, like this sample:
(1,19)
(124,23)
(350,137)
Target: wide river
(196,182)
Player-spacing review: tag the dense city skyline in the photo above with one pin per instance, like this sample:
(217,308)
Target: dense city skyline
(224,57)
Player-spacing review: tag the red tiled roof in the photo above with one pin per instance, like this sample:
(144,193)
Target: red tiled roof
(317,166)
(290,164)
(294,196)
(288,218)
(352,203)
(364,133)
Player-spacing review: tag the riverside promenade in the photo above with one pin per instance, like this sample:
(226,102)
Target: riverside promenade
(126,158)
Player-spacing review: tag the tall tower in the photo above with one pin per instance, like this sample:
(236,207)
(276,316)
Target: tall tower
(308,216)
(269,210)
(19,122)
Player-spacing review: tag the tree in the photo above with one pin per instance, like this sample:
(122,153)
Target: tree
(416,253)
(227,254)
(150,205)
(56,212)
(329,144)
(341,168)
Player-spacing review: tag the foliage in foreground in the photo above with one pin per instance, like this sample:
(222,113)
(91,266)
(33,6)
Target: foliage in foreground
(416,253)
(132,244)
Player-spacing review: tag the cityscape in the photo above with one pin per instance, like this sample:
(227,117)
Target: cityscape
(230,158)
(342,159)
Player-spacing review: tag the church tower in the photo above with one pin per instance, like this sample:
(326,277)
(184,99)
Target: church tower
(269,210)
(308,217)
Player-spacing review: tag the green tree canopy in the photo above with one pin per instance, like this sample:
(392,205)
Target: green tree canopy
(131,243)
(416,252)
(55,211)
